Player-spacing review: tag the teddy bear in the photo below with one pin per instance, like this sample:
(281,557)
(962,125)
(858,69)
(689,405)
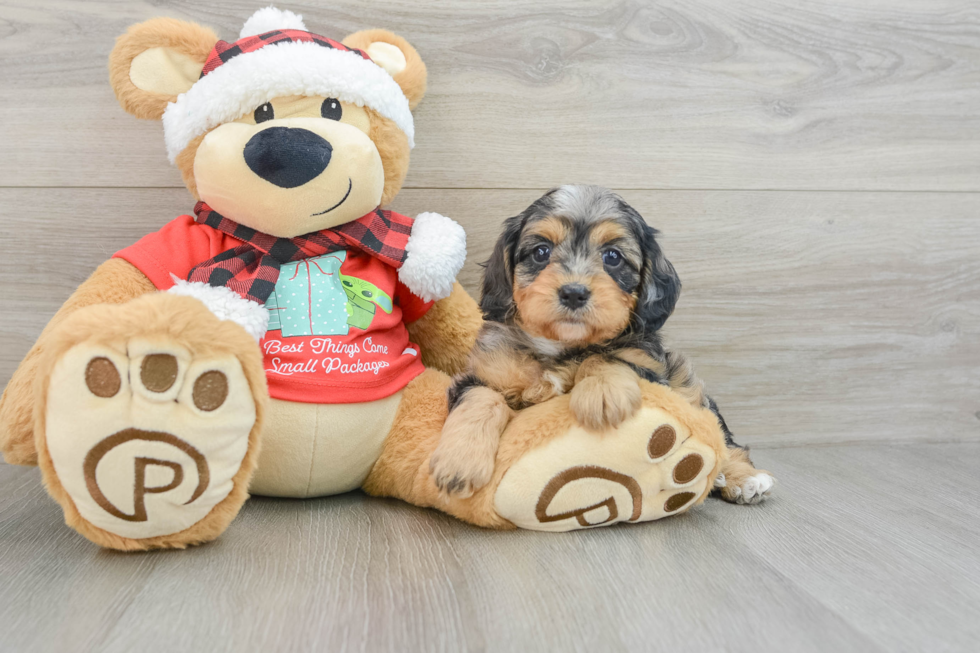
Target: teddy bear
(289,337)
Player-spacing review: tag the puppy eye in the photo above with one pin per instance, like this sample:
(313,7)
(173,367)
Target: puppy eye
(612,258)
(331,109)
(541,254)
(264,113)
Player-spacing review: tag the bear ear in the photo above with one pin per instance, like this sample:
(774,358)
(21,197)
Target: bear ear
(154,62)
(395,55)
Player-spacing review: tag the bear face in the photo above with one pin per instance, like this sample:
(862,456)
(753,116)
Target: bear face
(288,168)
(279,161)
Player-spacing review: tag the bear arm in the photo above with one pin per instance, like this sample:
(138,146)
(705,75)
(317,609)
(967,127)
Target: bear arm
(447,332)
(114,282)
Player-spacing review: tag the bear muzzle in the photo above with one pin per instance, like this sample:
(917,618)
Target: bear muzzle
(287,156)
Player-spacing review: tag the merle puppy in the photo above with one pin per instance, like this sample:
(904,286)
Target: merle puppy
(574,296)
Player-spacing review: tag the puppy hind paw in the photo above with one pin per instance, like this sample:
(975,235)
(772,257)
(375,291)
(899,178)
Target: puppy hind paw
(752,489)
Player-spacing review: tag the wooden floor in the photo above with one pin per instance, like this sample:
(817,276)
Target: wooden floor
(815,170)
(863,548)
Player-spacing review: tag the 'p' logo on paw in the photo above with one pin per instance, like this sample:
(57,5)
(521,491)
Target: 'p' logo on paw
(609,506)
(140,469)
(650,467)
(145,437)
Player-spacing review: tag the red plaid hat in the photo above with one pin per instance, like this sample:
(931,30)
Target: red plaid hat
(276,56)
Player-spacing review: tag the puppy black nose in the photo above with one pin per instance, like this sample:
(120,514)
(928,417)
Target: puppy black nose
(287,157)
(574,295)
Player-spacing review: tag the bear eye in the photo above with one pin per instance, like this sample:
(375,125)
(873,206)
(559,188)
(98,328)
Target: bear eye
(612,258)
(541,254)
(264,113)
(331,109)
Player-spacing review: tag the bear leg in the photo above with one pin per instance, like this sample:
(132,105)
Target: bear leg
(147,421)
(551,473)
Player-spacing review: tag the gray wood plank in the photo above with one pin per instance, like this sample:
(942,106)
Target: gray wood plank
(851,554)
(814,317)
(758,94)
(879,535)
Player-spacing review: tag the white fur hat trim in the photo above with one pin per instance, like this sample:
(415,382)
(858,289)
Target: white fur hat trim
(251,79)
(270,18)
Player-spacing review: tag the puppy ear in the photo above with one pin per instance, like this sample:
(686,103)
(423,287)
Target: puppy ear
(497,293)
(395,55)
(660,287)
(155,61)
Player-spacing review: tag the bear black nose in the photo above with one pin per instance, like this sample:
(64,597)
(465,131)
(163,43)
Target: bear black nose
(574,295)
(287,157)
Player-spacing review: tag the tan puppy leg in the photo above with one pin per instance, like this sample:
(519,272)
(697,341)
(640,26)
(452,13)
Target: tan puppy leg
(147,421)
(402,471)
(605,394)
(463,461)
(114,282)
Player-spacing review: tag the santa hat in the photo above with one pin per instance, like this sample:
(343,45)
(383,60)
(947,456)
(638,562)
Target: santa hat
(275,56)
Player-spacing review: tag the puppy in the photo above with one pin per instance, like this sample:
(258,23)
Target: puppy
(573,299)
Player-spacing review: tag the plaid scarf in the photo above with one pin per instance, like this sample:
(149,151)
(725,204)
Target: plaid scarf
(252,268)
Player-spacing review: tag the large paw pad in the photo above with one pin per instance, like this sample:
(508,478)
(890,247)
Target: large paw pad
(144,437)
(646,469)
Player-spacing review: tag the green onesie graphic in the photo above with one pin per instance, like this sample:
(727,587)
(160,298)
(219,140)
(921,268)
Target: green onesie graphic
(362,296)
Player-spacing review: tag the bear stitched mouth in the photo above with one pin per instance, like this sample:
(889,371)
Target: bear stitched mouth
(350,185)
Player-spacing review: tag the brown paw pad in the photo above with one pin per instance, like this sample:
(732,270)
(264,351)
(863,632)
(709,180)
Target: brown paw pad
(210,390)
(159,372)
(662,441)
(678,501)
(102,377)
(688,468)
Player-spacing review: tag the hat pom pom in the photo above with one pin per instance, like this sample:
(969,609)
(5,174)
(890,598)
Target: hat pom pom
(269,19)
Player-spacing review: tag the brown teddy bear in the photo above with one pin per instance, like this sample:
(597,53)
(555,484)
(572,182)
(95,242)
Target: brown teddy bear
(291,338)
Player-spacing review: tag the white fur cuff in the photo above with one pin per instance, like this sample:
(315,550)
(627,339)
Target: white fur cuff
(436,253)
(226,304)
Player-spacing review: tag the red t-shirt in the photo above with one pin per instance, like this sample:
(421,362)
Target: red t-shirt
(337,329)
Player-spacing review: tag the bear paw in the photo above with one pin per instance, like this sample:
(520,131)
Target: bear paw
(147,439)
(649,468)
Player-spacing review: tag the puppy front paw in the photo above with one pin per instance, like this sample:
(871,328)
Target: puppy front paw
(599,404)
(458,469)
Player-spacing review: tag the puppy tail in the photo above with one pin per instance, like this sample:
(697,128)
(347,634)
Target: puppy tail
(682,379)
